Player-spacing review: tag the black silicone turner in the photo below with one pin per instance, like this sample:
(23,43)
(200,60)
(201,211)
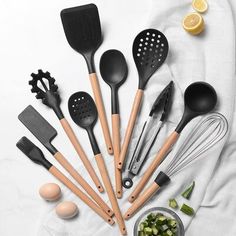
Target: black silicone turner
(83,32)
(150,49)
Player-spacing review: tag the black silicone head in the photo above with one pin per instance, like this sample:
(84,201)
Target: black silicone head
(83,30)
(48,91)
(83,112)
(114,70)
(82,109)
(33,152)
(199,98)
(150,49)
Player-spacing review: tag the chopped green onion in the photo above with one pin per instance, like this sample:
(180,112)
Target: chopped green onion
(187,193)
(187,210)
(173,203)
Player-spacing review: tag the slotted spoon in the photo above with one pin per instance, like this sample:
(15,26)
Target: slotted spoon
(83,112)
(150,49)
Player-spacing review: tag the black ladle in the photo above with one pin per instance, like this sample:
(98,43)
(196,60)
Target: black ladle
(199,98)
(84,113)
(114,71)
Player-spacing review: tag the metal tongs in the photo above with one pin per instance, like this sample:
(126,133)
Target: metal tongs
(163,101)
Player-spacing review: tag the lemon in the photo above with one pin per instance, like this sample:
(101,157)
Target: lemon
(193,23)
(200,5)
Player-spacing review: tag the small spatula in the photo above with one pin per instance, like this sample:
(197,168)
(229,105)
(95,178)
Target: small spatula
(45,133)
(83,32)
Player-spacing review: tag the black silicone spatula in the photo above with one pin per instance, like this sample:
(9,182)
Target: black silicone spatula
(45,133)
(150,49)
(83,32)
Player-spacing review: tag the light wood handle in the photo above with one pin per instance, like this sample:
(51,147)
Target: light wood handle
(60,176)
(71,135)
(116,145)
(130,127)
(101,111)
(110,193)
(79,179)
(140,201)
(170,141)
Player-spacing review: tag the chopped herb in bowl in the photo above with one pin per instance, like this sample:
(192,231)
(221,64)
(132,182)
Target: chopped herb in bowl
(159,222)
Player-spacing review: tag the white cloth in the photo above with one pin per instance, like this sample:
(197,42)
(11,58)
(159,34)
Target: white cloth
(32,37)
(208,57)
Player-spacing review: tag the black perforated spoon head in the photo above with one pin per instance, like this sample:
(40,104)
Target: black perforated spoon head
(114,70)
(199,98)
(83,112)
(150,49)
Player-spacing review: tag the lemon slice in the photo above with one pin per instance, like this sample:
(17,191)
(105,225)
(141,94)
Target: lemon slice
(200,5)
(193,23)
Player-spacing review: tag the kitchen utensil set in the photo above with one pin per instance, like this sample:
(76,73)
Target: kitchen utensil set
(83,32)
(200,98)
(208,132)
(150,48)
(51,98)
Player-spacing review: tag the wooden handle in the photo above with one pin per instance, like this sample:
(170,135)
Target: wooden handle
(140,201)
(110,193)
(116,145)
(71,135)
(171,140)
(130,127)
(101,111)
(53,170)
(62,160)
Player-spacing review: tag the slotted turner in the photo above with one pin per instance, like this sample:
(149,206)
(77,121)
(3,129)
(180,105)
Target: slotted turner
(150,49)
(83,111)
(83,32)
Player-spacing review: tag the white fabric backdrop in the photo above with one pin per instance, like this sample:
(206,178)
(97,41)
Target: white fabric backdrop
(32,37)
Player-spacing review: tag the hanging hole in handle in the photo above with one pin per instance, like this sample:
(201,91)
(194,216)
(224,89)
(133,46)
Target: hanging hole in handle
(127,183)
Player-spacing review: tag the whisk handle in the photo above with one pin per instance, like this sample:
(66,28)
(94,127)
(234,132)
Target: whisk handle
(141,200)
(170,141)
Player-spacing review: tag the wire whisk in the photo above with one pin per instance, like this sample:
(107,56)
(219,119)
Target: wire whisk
(206,134)
(209,131)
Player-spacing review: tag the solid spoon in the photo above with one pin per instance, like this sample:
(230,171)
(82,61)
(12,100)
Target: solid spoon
(114,70)
(199,98)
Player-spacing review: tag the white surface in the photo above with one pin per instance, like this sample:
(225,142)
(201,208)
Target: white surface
(32,37)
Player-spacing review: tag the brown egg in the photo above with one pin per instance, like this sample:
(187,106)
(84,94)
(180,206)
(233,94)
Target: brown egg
(66,210)
(50,192)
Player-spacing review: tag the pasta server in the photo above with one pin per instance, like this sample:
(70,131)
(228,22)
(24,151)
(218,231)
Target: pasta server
(150,49)
(45,88)
(83,32)
(83,112)
(142,149)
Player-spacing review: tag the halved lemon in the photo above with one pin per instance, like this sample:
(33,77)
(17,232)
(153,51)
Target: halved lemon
(200,5)
(193,23)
